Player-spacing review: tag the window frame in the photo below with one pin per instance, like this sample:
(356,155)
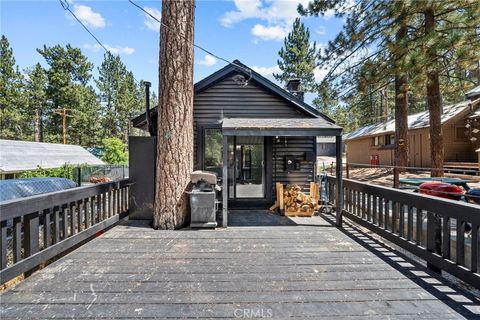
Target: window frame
(201,130)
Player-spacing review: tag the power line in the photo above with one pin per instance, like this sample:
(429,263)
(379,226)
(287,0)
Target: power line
(248,70)
(66,6)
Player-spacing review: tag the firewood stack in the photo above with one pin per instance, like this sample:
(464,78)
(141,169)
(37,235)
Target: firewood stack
(294,203)
(97,180)
(298,203)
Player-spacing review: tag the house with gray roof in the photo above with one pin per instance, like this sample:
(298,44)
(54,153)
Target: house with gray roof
(461,133)
(18,156)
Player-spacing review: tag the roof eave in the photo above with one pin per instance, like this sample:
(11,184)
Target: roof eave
(259,79)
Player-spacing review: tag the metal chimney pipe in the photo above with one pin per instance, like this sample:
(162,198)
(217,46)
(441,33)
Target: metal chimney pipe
(147,107)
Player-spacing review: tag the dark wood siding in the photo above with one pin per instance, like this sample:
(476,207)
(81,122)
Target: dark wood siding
(228,99)
(296,147)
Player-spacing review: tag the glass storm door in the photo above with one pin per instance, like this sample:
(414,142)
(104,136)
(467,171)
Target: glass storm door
(247,167)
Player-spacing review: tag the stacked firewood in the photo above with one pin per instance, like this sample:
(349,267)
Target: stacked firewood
(97,180)
(298,203)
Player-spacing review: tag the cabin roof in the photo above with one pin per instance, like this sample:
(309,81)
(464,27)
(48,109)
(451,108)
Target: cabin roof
(27,155)
(240,68)
(474,93)
(415,121)
(279,127)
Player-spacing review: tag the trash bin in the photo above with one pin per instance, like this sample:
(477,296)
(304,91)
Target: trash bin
(202,200)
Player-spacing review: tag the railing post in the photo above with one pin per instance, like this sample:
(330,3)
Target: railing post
(17,239)
(339,187)
(3,244)
(225,183)
(434,237)
(31,233)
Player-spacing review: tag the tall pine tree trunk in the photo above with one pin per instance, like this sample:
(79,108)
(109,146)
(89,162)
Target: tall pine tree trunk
(434,100)
(401,101)
(175,121)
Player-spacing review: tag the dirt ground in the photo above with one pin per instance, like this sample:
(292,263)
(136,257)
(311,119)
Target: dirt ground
(384,176)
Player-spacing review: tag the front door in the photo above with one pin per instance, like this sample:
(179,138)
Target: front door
(247,168)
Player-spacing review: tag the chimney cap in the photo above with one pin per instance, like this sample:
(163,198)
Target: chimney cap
(294,85)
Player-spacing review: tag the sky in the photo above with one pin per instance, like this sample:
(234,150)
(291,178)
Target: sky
(251,31)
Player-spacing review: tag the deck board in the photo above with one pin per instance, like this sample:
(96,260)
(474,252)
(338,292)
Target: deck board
(284,270)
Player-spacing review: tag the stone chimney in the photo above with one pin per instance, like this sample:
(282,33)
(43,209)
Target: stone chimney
(294,86)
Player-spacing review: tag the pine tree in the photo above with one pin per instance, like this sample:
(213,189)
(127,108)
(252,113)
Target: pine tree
(381,25)
(446,41)
(175,115)
(12,100)
(36,88)
(421,46)
(68,74)
(298,57)
(85,128)
(111,74)
(128,105)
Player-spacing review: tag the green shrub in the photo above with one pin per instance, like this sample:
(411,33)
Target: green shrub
(65,171)
(114,151)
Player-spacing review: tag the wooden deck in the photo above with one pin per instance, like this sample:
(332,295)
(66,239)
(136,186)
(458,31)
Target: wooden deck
(263,265)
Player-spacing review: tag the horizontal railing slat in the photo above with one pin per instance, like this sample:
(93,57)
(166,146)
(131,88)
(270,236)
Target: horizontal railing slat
(50,252)
(447,265)
(443,235)
(452,208)
(66,218)
(18,207)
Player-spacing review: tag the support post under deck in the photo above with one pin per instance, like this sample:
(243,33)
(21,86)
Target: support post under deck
(225,183)
(339,186)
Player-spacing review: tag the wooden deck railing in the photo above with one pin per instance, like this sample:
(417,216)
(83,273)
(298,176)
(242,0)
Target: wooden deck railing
(38,228)
(429,227)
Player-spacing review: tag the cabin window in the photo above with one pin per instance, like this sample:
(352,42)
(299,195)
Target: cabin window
(375,141)
(389,139)
(212,151)
(460,133)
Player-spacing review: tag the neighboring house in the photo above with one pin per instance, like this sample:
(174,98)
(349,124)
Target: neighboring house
(18,156)
(271,134)
(461,134)
(326,146)
(473,94)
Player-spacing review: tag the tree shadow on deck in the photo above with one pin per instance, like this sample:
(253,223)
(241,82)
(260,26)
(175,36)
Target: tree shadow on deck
(459,299)
(257,218)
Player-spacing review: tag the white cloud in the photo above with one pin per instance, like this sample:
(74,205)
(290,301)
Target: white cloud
(267,72)
(319,74)
(279,15)
(89,17)
(273,11)
(113,49)
(149,22)
(321,30)
(208,61)
(276,33)
(329,14)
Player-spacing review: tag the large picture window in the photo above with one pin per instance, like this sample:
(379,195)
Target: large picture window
(212,151)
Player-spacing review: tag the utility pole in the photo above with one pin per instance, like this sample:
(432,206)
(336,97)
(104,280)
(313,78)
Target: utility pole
(63,112)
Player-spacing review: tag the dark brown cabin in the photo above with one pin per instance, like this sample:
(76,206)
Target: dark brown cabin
(272,137)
